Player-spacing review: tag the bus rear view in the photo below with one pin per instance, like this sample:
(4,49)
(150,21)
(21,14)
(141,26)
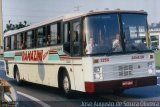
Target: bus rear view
(118,54)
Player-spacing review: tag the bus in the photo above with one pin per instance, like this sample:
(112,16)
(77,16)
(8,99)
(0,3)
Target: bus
(92,52)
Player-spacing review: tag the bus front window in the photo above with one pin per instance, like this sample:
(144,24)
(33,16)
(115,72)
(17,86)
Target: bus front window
(135,32)
(102,34)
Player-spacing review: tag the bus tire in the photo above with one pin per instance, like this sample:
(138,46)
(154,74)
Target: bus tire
(17,77)
(65,85)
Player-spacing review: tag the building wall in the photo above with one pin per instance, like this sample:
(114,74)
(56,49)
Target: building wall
(155,32)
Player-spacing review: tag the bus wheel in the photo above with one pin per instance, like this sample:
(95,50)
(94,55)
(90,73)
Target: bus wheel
(66,85)
(19,82)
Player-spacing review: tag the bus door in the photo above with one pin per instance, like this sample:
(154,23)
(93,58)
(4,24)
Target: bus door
(72,38)
(76,48)
(72,46)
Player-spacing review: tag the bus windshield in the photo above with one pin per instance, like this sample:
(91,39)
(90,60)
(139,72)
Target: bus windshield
(135,32)
(103,33)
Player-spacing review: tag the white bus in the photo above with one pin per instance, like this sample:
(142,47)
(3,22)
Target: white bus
(96,51)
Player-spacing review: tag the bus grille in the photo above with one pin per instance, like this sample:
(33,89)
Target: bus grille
(113,72)
(125,70)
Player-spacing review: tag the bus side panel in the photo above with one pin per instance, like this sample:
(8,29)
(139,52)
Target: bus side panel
(78,77)
(30,72)
(39,73)
(71,76)
(45,74)
(9,57)
(26,71)
(49,75)
(10,68)
(88,69)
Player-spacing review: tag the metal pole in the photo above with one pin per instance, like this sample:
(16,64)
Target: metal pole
(1,29)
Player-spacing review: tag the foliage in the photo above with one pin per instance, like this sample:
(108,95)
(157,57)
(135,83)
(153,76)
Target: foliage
(154,25)
(11,26)
(157,55)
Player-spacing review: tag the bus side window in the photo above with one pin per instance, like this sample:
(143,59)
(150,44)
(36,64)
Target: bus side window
(18,41)
(48,38)
(7,43)
(41,37)
(67,45)
(12,42)
(29,39)
(15,41)
(54,33)
(59,39)
(22,41)
(76,38)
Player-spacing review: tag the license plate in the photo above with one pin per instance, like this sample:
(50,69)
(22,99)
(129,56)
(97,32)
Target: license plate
(127,83)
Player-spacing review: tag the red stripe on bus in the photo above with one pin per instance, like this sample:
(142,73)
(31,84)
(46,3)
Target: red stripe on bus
(9,58)
(53,53)
(63,55)
(18,53)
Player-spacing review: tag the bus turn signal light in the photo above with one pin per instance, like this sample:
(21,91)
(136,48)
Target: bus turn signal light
(95,61)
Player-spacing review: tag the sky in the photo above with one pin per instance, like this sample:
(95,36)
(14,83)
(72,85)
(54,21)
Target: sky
(34,11)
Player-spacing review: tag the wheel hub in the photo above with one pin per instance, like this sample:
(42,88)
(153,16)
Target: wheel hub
(66,84)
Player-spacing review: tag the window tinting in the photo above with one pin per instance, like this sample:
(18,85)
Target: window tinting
(54,33)
(76,38)
(66,33)
(41,39)
(67,44)
(12,42)
(7,43)
(30,39)
(134,30)
(102,34)
(18,41)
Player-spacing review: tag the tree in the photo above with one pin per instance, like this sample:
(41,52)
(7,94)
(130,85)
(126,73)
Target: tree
(11,26)
(154,25)
(25,23)
(158,25)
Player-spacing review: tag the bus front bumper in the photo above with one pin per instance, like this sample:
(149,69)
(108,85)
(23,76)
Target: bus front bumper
(105,86)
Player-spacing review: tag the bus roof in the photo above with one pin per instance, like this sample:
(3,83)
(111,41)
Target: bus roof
(69,17)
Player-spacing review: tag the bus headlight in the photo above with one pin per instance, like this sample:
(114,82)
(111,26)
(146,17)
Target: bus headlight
(97,73)
(150,68)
